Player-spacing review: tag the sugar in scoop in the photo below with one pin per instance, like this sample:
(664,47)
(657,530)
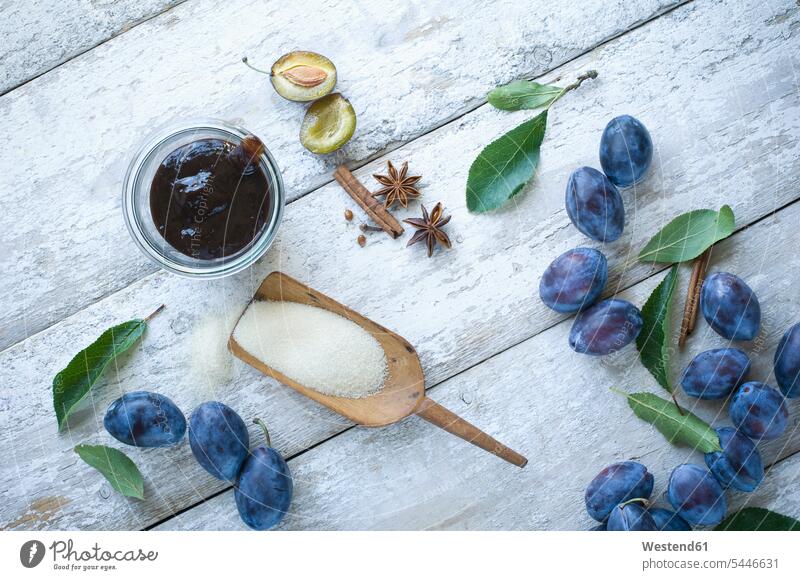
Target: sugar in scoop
(314,347)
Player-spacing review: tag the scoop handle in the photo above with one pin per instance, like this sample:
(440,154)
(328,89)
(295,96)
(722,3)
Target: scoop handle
(434,413)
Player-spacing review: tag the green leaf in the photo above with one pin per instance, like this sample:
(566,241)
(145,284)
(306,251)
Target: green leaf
(652,340)
(116,467)
(523,95)
(505,165)
(689,235)
(73,383)
(685,428)
(753,519)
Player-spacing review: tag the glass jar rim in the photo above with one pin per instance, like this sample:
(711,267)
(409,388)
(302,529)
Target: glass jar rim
(156,143)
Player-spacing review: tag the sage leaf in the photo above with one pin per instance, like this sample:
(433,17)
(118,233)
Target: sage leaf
(73,383)
(689,235)
(685,428)
(652,340)
(518,95)
(754,519)
(116,467)
(505,165)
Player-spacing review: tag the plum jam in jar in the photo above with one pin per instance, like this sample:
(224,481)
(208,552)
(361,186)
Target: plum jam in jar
(203,200)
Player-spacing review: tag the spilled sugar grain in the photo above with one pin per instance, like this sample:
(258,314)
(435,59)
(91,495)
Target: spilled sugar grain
(211,362)
(316,348)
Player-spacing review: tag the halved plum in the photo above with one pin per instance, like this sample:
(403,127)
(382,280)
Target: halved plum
(329,123)
(301,75)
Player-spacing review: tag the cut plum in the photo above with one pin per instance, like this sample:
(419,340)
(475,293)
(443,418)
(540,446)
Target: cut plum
(328,124)
(303,76)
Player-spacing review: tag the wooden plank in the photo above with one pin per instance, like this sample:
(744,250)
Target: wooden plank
(458,308)
(546,400)
(39,36)
(74,131)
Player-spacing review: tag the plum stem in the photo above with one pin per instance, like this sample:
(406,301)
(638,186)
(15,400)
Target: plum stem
(674,400)
(263,72)
(261,424)
(589,74)
(152,314)
(369,228)
(634,500)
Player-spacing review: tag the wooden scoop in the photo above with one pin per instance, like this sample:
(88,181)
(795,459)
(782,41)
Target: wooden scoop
(403,393)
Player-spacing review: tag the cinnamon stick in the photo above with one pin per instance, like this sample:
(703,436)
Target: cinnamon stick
(362,196)
(693,296)
(704,258)
(687,307)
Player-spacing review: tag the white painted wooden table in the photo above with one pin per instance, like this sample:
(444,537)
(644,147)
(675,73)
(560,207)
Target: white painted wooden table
(715,82)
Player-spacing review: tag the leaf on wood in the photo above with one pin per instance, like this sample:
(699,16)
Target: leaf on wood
(652,340)
(518,95)
(686,428)
(754,519)
(505,165)
(689,235)
(116,467)
(73,383)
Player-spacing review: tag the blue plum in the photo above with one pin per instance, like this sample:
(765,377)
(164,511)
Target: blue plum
(730,307)
(668,521)
(631,517)
(594,205)
(759,411)
(574,280)
(787,362)
(626,150)
(616,484)
(219,440)
(605,327)
(145,419)
(263,490)
(696,495)
(739,464)
(714,374)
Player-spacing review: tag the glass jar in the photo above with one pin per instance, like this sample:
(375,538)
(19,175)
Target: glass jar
(136,201)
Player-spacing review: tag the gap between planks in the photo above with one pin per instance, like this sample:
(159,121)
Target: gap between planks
(127,27)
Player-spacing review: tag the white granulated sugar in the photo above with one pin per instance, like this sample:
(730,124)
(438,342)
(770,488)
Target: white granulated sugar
(211,362)
(315,347)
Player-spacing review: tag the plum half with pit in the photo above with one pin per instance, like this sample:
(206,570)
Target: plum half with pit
(145,419)
(605,327)
(263,490)
(574,280)
(219,440)
(616,484)
(301,75)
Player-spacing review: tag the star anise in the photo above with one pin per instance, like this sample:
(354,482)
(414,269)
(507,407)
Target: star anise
(397,185)
(429,228)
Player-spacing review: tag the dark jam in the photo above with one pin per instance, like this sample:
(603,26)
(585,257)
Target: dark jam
(210,199)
